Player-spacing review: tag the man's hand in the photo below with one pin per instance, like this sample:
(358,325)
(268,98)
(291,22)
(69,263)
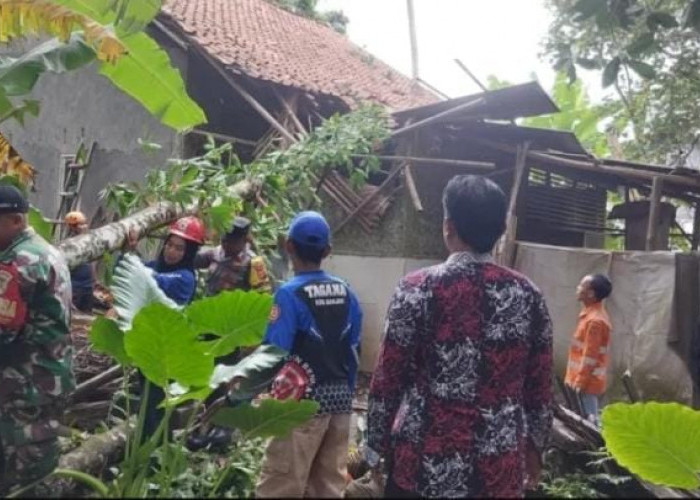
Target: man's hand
(131,241)
(533,468)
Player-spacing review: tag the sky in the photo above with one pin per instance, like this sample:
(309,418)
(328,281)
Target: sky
(491,37)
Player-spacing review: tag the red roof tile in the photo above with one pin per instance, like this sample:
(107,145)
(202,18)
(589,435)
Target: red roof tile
(270,43)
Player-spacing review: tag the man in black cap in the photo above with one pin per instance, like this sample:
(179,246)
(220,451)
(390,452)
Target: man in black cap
(233,265)
(35,351)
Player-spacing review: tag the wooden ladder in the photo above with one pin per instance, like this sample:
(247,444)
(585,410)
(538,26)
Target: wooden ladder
(74,169)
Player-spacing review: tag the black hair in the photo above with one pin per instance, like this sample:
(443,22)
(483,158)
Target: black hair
(601,286)
(309,253)
(477,207)
(187,261)
(236,234)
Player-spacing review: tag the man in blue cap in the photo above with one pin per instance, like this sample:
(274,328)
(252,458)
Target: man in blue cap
(317,319)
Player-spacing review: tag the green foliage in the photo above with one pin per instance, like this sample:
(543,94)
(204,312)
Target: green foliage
(42,226)
(649,52)
(269,419)
(242,325)
(163,345)
(107,338)
(577,115)
(575,485)
(130,59)
(206,180)
(146,74)
(660,442)
(336,19)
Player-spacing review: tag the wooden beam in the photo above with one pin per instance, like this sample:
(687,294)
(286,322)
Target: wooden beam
(289,108)
(224,137)
(246,96)
(437,117)
(682,231)
(654,213)
(359,207)
(696,228)
(589,166)
(506,252)
(476,165)
(412,190)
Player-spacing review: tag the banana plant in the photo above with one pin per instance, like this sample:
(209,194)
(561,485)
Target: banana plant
(106,32)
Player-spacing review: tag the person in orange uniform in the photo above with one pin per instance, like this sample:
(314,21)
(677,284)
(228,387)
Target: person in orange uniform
(588,354)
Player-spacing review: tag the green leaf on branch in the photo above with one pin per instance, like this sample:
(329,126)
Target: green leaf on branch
(610,72)
(145,73)
(43,227)
(692,15)
(586,9)
(661,19)
(272,418)
(641,44)
(237,318)
(107,338)
(163,345)
(660,442)
(642,69)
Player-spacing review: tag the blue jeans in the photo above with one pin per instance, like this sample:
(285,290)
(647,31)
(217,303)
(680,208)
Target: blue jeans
(590,405)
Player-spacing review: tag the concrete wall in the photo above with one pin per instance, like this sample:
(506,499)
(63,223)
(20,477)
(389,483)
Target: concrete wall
(82,105)
(374,280)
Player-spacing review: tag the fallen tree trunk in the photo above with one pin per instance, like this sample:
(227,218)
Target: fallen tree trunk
(98,451)
(111,237)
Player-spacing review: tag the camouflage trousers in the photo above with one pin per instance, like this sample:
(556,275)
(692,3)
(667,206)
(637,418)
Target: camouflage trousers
(28,444)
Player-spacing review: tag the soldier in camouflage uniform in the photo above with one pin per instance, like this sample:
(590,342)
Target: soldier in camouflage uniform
(35,352)
(233,265)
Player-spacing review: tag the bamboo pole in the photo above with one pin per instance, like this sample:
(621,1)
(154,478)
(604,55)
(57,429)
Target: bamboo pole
(412,190)
(595,168)
(476,165)
(437,117)
(654,213)
(359,207)
(696,228)
(246,96)
(506,251)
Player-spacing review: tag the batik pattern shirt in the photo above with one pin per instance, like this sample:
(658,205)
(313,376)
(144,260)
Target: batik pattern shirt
(463,381)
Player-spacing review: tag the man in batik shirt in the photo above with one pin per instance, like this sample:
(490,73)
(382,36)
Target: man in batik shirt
(460,400)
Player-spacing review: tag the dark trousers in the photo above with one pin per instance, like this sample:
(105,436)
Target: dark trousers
(83,299)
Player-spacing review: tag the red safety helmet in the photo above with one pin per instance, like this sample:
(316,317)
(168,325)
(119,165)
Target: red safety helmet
(189,228)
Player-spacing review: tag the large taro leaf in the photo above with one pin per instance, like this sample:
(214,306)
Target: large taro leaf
(237,318)
(108,338)
(133,288)
(163,346)
(660,442)
(254,373)
(272,418)
(145,73)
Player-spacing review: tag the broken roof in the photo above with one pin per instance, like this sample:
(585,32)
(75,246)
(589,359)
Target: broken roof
(264,41)
(518,101)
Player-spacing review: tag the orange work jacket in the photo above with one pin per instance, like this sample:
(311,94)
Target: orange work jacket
(588,354)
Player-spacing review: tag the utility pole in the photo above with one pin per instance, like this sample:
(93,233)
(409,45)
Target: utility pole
(414,43)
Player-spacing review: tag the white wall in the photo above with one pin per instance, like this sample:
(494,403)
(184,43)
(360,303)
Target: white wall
(373,279)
